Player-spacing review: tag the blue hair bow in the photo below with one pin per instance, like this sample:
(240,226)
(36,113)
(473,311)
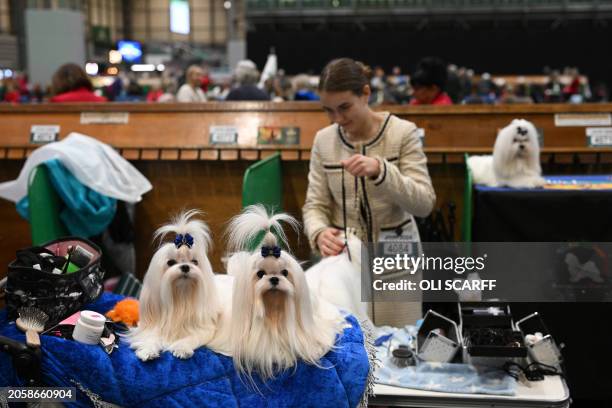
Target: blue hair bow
(181,240)
(267,251)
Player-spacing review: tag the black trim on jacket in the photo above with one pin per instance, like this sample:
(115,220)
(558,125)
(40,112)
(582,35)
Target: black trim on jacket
(378,136)
(332,166)
(379,182)
(408,221)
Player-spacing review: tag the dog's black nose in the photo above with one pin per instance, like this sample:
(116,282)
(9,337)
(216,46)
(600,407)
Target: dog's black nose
(521,146)
(184,268)
(274,281)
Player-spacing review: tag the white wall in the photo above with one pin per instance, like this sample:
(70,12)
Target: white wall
(53,38)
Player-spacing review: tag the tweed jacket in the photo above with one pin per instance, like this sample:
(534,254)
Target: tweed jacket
(402,189)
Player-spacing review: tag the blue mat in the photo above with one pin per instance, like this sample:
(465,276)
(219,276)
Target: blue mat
(205,380)
(563,182)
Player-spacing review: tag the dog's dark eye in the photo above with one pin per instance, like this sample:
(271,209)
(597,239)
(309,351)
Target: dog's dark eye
(285,272)
(194,261)
(260,274)
(171,262)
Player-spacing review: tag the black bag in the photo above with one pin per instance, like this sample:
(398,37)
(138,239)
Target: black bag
(58,295)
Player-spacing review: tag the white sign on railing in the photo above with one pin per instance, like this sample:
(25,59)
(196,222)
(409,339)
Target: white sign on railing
(104,118)
(223,135)
(41,134)
(583,119)
(599,137)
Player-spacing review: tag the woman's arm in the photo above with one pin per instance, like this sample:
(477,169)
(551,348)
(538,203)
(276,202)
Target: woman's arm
(408,183)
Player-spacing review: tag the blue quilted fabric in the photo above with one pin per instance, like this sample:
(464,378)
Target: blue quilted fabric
(205,380)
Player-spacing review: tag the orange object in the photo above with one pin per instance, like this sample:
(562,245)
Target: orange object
(125,311)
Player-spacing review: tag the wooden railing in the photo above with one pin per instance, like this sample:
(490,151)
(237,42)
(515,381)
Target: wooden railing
(170,144)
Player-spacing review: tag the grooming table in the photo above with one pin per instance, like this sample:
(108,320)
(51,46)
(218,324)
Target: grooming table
(205,380)
(552,392)
(570,209)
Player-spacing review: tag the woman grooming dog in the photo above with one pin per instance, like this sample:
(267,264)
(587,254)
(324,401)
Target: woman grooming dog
(367,172)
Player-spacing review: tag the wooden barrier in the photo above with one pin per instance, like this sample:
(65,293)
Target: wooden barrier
(170,145)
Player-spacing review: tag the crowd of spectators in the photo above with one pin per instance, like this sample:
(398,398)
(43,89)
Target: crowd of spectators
(436,83)
(432,82)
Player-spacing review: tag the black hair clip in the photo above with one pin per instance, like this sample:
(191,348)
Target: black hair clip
(181,240)
(521,131)
(274,251)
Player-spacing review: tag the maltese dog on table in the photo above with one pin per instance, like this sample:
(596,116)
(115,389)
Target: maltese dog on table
(515,161)
(275,319)
(179,308)
(337,279)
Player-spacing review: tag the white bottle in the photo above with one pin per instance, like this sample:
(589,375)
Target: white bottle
(89,327)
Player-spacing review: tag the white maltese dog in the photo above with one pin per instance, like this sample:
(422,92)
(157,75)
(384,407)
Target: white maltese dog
(275,321)
(179,305)
(515,161)
(337,279)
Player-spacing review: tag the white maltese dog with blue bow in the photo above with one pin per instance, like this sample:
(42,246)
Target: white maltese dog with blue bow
(179,305)
(276,320)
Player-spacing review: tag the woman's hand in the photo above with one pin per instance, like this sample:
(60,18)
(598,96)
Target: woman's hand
(359,166)
(328,242)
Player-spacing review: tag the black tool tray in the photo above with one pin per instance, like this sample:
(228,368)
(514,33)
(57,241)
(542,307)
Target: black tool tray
(490,335)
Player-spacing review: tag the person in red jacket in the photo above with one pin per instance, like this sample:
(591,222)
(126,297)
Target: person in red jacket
(428,83)
(11,92)
(70,83)
(154,94)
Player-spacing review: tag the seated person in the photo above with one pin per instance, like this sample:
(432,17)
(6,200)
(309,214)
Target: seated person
(246,75)
(70,83)
(428,83)
(191,90)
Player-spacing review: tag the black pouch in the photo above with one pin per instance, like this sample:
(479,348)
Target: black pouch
(58,295)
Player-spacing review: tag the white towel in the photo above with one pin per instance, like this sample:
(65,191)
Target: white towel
(95,164)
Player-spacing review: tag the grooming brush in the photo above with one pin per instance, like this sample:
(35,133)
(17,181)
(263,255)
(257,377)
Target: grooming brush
(402,356)
(31,321)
